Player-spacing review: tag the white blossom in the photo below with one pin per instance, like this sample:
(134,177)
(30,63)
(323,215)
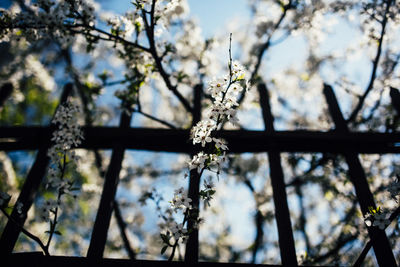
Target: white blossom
(181,201)
(198,162)
(178,230)
(208,183)
(217,86)
(49,206)
(220,143)
(201,132)
(179,191)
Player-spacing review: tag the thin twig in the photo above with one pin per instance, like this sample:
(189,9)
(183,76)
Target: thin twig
(374,67)
(169,125)
(149,28)
(27,233)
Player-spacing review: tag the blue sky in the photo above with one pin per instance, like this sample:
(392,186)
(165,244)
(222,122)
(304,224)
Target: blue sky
(213,15)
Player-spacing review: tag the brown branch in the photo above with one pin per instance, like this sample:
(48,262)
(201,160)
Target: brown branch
(374,67)
(27,233)
(149,28)
(264,48)
(122,227)
(165,123)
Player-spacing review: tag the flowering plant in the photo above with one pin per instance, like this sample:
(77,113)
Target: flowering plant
(224,92)
(66,136)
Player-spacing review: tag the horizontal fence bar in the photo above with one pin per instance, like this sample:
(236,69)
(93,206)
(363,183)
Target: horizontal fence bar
(153,139)
(36,260)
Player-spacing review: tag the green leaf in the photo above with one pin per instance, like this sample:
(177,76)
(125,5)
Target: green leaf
(165,238)
(57,232)
(74,189)
(164,248)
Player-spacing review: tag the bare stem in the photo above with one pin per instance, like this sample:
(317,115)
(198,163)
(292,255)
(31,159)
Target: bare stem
(27,233)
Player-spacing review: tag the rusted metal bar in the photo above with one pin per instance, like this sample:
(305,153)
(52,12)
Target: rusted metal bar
(282,214)
(381,245)
(28,192)
(103,217)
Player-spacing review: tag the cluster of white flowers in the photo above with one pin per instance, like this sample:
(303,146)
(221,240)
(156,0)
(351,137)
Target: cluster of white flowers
(126,25)
(209,190)
(190,43)
(224,92)
(180,201)
(380,218)
(377,218)
(164,12)
(172,10)
(178,231)
(48,207)
(48,18)
(67,136)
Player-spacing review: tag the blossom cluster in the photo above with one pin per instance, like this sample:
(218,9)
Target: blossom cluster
(180,200)
(48,18)
(48,208)
(164,13)
(67,136)
(224,92)
(379,217)
(208,191)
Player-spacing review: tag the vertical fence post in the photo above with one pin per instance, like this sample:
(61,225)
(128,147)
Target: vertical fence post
(192,245)
(381,245)
(395,97)
(5,92)
(28,192)
(103,217)
(285,233)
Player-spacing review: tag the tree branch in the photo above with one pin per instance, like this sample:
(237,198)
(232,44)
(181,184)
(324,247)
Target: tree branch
(27,233)
(374,67)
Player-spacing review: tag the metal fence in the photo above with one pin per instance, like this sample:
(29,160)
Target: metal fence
(337,141)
